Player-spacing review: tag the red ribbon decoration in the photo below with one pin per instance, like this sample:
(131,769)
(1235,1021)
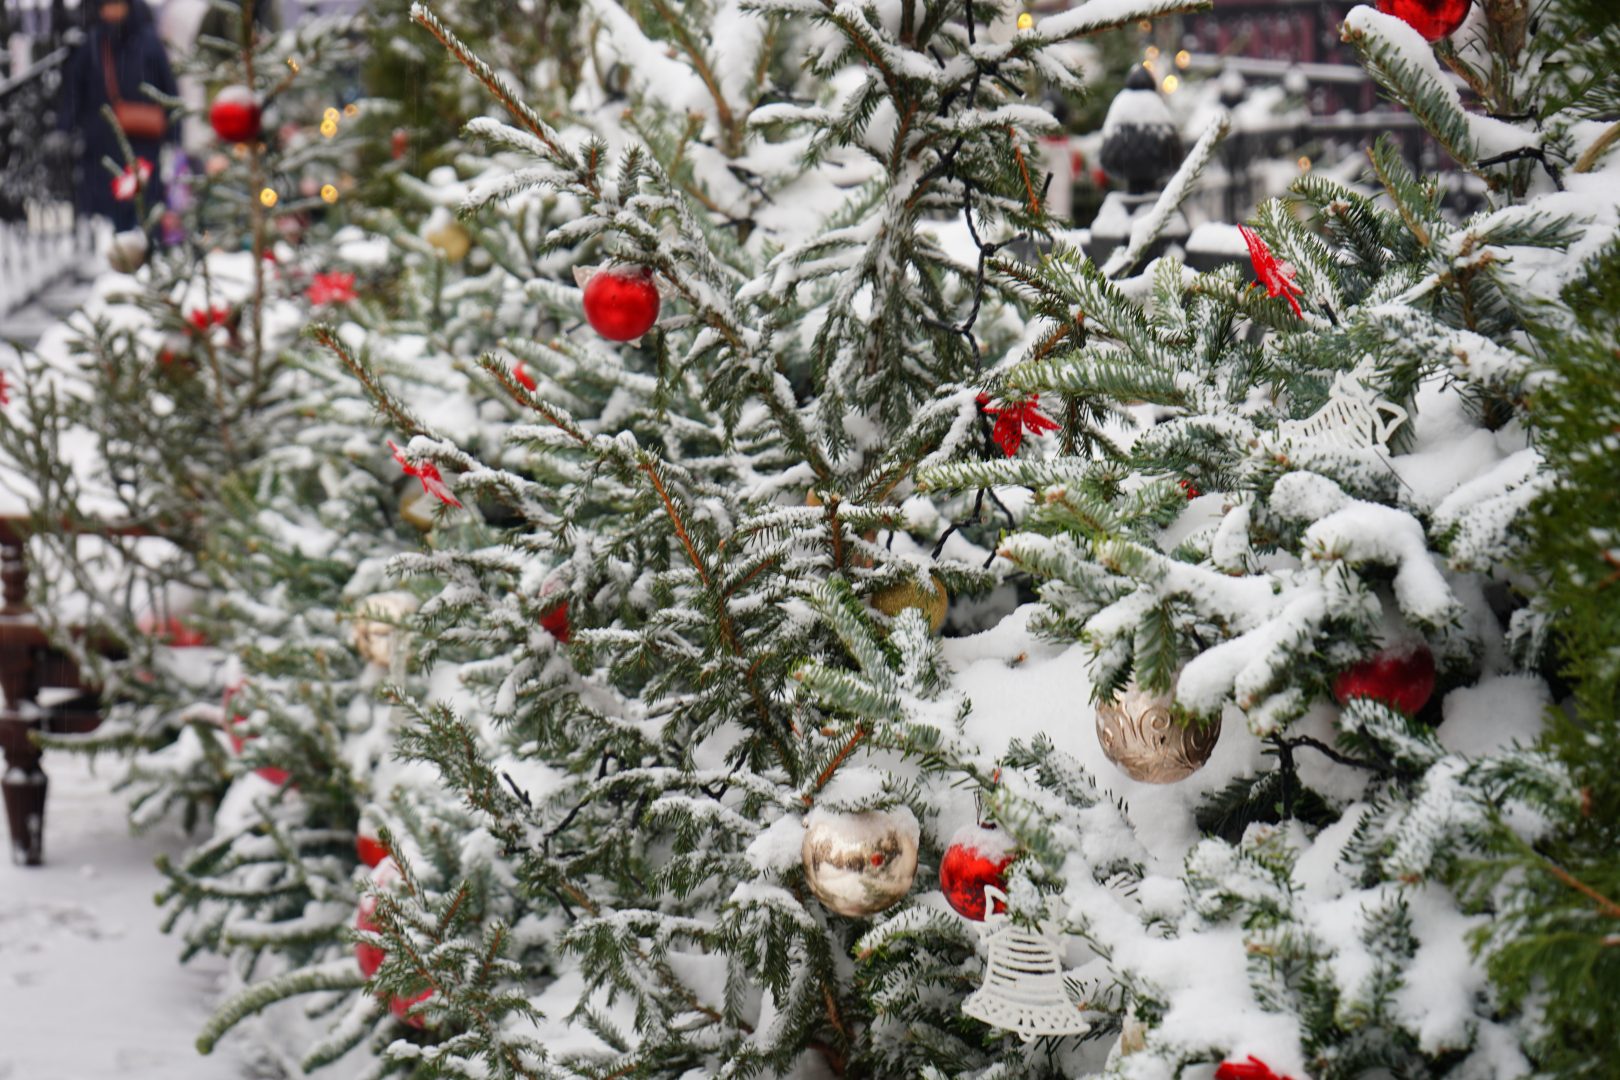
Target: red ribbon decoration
(1013,419)
(1277,278)
(428,473)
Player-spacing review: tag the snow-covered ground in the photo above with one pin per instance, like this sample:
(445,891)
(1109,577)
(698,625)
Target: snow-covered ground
(89,986)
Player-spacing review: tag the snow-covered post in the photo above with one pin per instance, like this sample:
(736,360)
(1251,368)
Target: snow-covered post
(1141,148)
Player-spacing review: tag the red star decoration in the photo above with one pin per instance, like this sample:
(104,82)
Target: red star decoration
(428,473)
(1277,278)
(1014,419)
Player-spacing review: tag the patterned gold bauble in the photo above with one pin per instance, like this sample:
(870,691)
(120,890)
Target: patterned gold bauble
(860,864)
(453,240)
(377,627)
(1139,735)
(931,599)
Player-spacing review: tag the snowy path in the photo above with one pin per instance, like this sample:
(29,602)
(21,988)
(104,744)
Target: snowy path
(89,987)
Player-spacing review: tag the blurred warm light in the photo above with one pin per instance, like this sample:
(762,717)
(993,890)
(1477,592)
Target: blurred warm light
(1183,58)
(351,109)
(330,114)
(1171,84)
(268,196)
(329,194)
(1026,21)
(292,62)
(1152,52)
(1145,25)
(1304,164)
(329,128)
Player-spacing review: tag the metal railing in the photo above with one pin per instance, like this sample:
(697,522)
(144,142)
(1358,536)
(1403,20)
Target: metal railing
(42,237)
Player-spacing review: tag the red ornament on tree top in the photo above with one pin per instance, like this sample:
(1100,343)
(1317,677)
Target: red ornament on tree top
(1277,278)
(235,115)
(978,855)
(621,303)
(1434,19)
(1402,677)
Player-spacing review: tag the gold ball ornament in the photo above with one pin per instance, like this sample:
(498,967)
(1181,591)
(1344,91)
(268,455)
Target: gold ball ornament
(376,625)
(931,599)
(1140,736)
(127,252)
(451,239)
(416,507)
(860,864)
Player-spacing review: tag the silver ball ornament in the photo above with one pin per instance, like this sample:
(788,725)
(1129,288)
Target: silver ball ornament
(860,864)
(1140,736)
(127,252)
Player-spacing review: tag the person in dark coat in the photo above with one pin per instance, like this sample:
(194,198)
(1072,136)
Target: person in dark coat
(122,50)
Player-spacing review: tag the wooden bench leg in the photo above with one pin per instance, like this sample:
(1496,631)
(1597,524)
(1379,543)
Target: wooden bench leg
(24,786)
(21,639)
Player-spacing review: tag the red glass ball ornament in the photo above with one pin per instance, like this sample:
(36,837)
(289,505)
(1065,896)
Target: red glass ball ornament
(555,622)
(274,775)
(621,304)
(369,956)
(978,855)
(398,1005)
(370,850)
(1434,19)
(1400,677)
(235,115)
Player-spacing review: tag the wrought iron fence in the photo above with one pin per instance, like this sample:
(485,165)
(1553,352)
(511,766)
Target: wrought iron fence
(41,236)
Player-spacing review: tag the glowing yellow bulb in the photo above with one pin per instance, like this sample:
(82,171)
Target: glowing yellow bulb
(1183,58)
(330,115)
(1144,25)
(1304,164)
(1171,84)
(292,62)
(1026,21)
(329,128)
(351,109)
(1152,52)
(329,194)
(268,196)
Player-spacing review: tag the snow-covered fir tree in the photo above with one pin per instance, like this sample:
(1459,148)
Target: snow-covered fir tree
(1260,500)
(576,581)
